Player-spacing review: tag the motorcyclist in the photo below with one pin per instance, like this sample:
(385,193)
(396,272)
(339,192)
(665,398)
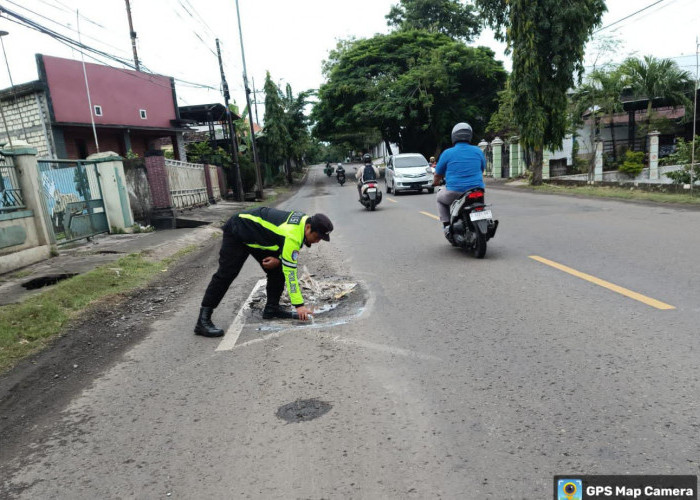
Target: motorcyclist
(367,173)
(462,167)
(339,170)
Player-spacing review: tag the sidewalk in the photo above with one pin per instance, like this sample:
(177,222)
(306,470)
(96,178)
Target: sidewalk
(103,249)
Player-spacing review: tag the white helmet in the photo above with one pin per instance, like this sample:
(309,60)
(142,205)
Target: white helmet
(462,132)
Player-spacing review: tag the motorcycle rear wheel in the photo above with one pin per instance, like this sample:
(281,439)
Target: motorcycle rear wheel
(480,246)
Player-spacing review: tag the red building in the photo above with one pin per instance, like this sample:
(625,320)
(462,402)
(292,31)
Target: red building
(131,110)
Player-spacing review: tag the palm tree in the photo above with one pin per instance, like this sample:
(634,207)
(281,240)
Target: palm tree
(609,86)
(654,78)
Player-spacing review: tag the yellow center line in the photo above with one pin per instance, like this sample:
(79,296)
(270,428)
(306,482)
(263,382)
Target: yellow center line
(391,200)
(431,215)
(605,284)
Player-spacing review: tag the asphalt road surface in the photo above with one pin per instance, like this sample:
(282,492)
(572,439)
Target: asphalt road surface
(572,348)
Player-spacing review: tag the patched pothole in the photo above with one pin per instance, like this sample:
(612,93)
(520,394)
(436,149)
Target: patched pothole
(330,296)
(303,410)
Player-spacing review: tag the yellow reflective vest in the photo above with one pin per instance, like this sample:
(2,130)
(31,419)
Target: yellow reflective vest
(279,232)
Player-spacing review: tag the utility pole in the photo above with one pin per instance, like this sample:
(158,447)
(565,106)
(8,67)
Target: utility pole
(695,118)
(258,174)
(255,101)
(231,128)
(133,35)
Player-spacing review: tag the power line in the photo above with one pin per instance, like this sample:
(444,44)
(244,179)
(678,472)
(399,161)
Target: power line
(627,17)
(62,24)
(84,49)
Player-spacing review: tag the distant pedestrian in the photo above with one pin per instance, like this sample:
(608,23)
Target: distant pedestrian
(273,237)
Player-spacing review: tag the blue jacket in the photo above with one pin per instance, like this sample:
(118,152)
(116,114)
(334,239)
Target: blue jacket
(463,166)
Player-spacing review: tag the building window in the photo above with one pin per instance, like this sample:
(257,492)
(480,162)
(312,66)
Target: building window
(98,110)
(142,113)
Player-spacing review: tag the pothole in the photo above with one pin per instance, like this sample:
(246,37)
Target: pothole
(328,295)
(303,410)
(43,281)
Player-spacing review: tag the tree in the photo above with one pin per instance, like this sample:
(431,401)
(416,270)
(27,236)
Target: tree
(449,17)
(502,122)
(547,40)
(297,124)
(598,96)
(407,87)
(276,133)
(652,78)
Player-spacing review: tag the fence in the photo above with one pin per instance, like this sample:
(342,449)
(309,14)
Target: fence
(214,176)
(188,187)
(73,199)
(10,192)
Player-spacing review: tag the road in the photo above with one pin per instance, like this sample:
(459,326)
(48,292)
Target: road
(437,376)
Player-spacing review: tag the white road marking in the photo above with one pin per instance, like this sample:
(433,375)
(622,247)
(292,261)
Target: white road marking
(234,331)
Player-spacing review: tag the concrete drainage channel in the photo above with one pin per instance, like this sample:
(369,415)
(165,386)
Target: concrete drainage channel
(43,281)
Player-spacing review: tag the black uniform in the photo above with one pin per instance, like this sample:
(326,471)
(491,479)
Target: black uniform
(261,232)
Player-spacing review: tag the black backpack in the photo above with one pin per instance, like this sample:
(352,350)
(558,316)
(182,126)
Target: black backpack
(368,174)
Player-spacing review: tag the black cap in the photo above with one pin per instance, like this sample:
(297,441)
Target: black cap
(322,225)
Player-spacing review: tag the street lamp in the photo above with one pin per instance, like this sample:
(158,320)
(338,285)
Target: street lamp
(14,91)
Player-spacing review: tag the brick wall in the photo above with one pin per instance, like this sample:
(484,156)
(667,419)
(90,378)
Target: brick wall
(32,112)
(158,179)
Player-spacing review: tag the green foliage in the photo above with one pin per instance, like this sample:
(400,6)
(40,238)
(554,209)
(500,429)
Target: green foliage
(449,17)
(683,156)
(130,155)
(502,122)
(276,134)
(169,154)
(407,87)
(547,39)
(652,78)
(633,163)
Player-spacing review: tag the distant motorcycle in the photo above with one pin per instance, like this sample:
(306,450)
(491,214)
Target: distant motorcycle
(371,195)
(340,174)
(471,223)
(328,170)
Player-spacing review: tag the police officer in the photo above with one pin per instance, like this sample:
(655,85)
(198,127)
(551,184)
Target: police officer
(273,237)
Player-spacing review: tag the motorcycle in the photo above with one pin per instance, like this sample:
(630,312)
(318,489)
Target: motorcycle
(371,195)
(328,170)
(340,175)
(471,222)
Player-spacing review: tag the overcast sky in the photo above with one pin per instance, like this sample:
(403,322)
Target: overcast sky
(289,39)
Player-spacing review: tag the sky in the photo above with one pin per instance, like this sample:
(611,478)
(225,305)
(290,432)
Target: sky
(288,39)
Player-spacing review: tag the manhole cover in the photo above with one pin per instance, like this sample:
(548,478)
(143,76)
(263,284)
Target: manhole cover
(303,410)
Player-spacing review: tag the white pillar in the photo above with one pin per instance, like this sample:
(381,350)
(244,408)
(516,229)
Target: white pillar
(654,154)
(114,192)
(546,155)
(497,149)
(489,168)
(598,172)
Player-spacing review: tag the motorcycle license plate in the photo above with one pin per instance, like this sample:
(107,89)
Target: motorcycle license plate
(371,190)
(484,214)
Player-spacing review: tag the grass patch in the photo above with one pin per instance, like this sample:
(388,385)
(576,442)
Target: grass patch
(28,327)
(618,193)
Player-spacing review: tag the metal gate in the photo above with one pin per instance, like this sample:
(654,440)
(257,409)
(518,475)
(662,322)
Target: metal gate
(73,197)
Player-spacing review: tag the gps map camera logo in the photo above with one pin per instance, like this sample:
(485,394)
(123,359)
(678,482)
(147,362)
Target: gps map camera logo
(569,489)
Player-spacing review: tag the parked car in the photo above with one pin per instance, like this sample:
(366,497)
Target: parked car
(408,172)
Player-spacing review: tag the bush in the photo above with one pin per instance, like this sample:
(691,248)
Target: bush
(633,163)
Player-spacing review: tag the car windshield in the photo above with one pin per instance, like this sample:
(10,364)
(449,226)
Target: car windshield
(410,161)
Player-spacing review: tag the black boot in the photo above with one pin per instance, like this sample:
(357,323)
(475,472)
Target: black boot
(275,311)
(205,327)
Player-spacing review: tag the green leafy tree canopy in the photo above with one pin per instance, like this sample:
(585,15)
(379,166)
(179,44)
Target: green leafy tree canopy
(547,39)
(449,17)
(407,87)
